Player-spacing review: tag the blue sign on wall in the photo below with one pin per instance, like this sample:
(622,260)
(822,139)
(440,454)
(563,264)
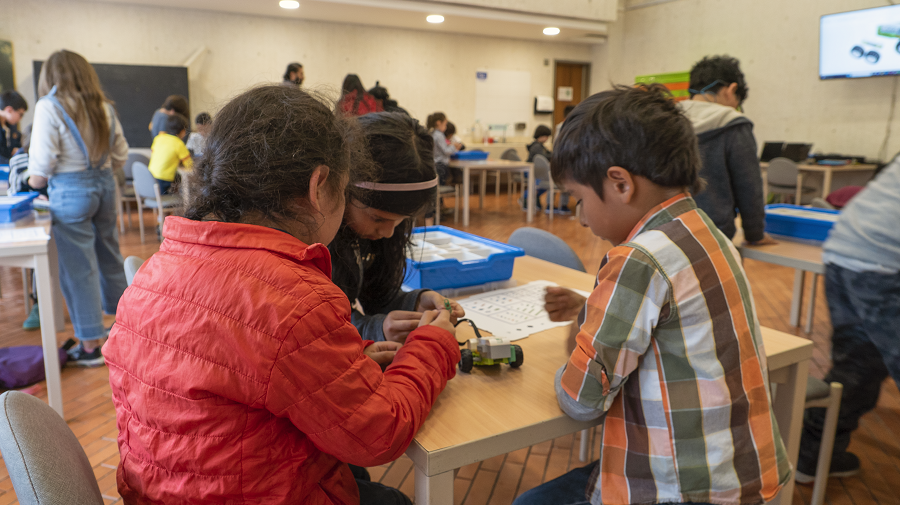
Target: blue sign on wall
(481,75)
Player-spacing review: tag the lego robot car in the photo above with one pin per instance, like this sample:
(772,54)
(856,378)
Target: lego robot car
(490,351)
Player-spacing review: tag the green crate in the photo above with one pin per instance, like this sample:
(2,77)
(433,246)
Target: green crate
(663,78)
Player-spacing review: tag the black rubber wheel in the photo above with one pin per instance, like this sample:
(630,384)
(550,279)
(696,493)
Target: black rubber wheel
(872,57)
(520,357)
(857,52)
(465,361)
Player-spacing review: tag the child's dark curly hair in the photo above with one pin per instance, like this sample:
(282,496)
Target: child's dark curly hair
(262,150)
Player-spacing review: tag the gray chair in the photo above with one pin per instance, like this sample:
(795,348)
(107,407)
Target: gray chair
(132,264)
(45,461)
(781,179)
(820,203)
(147,191)
(819,394)
(546,246)
(515,180)
(126,194)
(542,173)
(446,190)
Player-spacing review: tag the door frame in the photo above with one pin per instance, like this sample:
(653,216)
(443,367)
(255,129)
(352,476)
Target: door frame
(585,81)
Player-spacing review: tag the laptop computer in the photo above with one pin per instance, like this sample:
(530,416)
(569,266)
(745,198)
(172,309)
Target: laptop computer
(796,152)
(771,150)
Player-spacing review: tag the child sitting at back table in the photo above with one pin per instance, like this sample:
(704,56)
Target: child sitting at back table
(670,349)
(196,142)
(168,151)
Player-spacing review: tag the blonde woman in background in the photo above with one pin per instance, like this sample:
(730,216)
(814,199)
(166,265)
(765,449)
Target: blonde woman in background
(76,144)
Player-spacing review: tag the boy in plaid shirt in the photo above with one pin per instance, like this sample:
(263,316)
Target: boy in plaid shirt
(670,350)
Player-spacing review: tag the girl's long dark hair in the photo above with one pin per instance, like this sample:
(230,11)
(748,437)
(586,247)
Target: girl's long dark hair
(352,83)
(403,151)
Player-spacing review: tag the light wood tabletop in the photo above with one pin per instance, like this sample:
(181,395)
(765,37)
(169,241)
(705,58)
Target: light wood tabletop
(498,409)
(467,166)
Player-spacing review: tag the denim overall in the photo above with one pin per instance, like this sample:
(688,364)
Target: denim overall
(82,207)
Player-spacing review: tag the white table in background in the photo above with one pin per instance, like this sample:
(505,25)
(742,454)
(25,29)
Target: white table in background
(467,166)
(802,256)
(827,172)
(497,410)
(41,256)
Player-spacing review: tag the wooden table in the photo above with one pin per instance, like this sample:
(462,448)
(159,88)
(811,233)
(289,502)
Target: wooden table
(496,410)
(827,172)
(801,255)
(41,256)
(467,166)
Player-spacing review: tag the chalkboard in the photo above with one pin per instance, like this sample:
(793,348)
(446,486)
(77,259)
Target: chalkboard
(138,91)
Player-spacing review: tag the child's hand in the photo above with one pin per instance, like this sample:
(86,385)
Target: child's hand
(398,323)
(432,300)
(562,304)
(766,240)
(439,318)
(382,352)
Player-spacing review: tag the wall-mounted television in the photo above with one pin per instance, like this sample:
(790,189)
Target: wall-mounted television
(863,43)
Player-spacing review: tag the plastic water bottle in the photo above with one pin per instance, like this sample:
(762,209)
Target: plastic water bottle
(477,131)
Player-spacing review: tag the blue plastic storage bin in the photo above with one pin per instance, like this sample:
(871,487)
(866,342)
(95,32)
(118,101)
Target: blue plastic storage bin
(443,257)
(470,155)
(13,208)
(4,173)
(800,222)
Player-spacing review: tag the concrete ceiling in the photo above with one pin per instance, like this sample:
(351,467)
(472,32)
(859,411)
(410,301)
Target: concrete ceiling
(408,14)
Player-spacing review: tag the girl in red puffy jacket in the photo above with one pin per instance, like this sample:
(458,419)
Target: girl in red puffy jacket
(236,374)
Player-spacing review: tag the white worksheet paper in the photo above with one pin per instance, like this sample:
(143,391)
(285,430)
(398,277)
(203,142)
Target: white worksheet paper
(513,313)
(24,235)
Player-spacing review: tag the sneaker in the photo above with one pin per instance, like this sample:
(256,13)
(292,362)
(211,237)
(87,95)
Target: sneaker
(33,322)
(524,206)
(845,464)
(79,358)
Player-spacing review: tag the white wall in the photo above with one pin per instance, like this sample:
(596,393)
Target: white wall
(425,72)
(777,42)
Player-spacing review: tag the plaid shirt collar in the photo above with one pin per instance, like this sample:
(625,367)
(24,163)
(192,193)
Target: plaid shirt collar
(663,213)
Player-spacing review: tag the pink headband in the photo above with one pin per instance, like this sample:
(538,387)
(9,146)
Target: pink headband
(405,186)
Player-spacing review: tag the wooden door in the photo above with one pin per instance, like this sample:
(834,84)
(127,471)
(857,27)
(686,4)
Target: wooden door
(569,75)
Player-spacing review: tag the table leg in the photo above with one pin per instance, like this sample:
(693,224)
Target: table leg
(811,303)
(26,288)
(48,332)
(434,490)
(799,194)
(788,407)
(765,183)
(58,315)
(550,200)
(466,187)
(826,183)
(797,297)
(532,194)
(497,184)
(481,189)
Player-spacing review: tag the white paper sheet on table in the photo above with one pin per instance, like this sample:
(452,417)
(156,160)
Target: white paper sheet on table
(25,235)
(513,313)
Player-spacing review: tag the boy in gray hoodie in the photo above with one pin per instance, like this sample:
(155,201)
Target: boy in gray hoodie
(728,148)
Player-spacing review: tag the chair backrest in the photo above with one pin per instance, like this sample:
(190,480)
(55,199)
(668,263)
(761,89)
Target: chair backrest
(510,154)
(133,157)
(45,461)
(132,264)
(546,246)
(541,167)
(782,172)
(143,181)
(820,203)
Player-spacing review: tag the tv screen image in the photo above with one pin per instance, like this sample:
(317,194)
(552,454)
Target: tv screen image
(862,43)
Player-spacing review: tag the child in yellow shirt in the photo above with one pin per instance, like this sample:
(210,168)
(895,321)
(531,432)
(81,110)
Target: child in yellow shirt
(168,151)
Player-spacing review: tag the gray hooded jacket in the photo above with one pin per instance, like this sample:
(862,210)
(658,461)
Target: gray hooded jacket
(730,168)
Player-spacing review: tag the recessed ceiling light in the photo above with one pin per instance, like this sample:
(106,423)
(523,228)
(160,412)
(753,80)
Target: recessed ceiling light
(289,4)
(551,30)
(435,18)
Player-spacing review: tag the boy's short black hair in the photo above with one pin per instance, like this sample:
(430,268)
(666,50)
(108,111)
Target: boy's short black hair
(451,130)
(712,73)
(637,128)
(542,131)
(203,118)
(12,98)
(175,124)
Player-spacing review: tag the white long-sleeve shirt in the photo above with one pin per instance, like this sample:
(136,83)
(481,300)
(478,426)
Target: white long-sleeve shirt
(54,149)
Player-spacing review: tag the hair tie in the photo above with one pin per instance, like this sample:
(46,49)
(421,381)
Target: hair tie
(402,186)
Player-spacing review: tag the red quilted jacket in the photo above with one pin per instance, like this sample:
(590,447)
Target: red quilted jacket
(237,376)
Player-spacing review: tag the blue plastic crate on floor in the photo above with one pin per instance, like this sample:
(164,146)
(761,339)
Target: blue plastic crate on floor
(443,257)
(470,155)
(18,206)
(796,221)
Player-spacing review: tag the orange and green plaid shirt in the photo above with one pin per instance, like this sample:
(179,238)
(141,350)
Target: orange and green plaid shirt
(671,352)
